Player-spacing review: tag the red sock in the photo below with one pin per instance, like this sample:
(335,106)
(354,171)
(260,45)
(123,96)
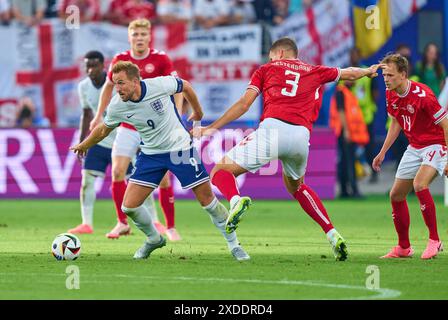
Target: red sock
(118,188)
(166,200)
(312,205)
(429,212)
(226,183)
(400,214)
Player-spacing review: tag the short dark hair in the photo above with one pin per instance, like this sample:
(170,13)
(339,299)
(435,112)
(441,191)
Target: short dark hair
(286,44)
(397,59)
(94,55)
(132,71)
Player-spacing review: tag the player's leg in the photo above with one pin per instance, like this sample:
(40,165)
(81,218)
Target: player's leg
(406,171)
(434,160)
(87,196)
(193,175)
(219,215)
(400,216)
(249,155)
(146,177)
(94,165)
(133,207)
(120,165)
(313,206)
(124,150)
(166,200)
(224,178)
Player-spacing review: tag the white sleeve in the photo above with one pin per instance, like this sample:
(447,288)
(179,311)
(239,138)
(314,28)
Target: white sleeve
(170,85)
(111,119)
(82,97)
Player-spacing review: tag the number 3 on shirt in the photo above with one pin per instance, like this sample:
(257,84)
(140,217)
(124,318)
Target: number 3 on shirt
(294,83)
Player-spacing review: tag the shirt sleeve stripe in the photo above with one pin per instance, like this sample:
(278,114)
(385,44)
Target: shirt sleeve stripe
(339,75)
(439,113)
(254,88)
(180,85)
(444,115)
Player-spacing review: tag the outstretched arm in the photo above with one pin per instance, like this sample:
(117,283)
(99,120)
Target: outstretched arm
(192,98)
(99,133)
(354,73)
(105,97)
(234,112)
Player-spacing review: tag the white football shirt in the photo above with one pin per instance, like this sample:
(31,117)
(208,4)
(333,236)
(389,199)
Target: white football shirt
(154,116)
(89,96)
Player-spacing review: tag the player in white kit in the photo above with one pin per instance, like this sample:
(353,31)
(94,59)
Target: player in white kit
(99,156)
(166,146)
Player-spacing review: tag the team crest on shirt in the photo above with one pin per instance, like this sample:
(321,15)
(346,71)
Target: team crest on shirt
(157,106)
(410,108)
(149,68)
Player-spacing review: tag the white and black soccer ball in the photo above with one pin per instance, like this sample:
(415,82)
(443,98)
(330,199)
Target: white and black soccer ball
(66,246)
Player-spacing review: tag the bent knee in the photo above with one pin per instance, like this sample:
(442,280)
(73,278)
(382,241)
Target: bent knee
(396,196)
(419,186)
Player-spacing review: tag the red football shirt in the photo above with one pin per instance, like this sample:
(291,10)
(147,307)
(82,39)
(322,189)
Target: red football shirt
(418,112)
(292,90)
(155,64)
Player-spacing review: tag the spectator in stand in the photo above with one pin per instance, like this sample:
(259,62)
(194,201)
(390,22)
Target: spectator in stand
(242,12)
(28,12)
(52,9)
(27,116)
(430,70)
(171,11)
(265,11)
(5,12)
(211,13)
(281,11)
(347,121)
(367,93)
(89,9)
(124,11)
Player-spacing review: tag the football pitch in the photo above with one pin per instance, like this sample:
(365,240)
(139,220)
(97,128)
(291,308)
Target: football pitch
(290,256)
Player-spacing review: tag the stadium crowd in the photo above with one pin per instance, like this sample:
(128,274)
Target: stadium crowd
(198,13)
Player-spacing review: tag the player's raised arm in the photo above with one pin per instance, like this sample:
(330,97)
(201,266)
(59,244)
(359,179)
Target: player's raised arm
(193,100)
(392,135)
(105,97)
(354,73)
(99,133)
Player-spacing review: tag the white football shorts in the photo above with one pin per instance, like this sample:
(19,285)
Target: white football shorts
(126,143)
(274,139)
(434,155)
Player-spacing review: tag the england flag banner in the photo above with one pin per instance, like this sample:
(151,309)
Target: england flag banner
(320,40)
(222,61)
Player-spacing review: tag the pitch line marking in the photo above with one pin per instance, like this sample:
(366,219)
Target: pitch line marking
(383,293)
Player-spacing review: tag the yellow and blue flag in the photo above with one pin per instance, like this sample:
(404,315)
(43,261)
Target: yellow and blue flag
(372,23)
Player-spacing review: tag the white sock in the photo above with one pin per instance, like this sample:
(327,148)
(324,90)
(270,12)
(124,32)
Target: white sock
(331,233)
(142,220)
(87,196)
(218,213)
(150,205)
(234,200)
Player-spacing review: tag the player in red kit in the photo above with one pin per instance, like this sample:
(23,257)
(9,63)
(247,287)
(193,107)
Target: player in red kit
(291,92)
(152,63)
(415,110)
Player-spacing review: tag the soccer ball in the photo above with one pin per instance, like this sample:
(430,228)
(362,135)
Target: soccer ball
(66,246)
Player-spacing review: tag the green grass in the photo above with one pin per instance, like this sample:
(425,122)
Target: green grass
(291,259)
